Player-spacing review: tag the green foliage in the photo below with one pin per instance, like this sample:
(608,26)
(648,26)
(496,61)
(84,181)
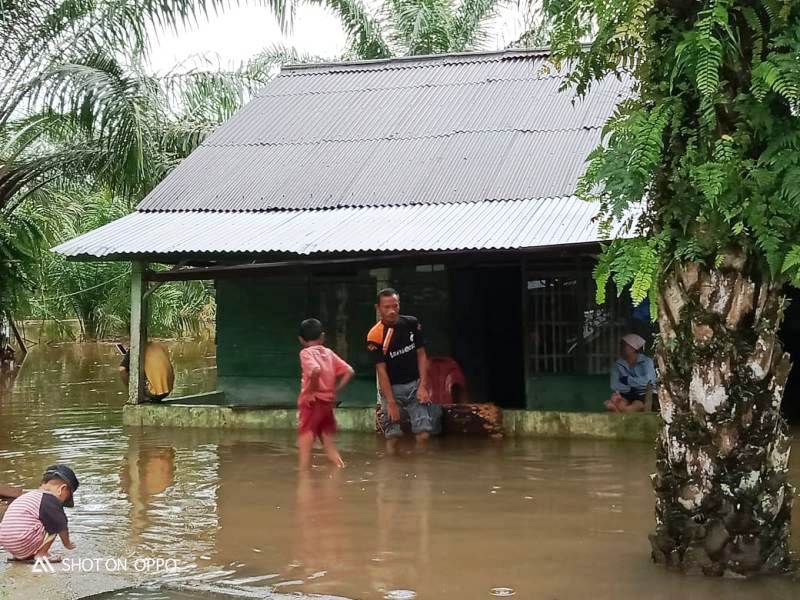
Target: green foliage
(20,238)
(710,138)
(97,293)
(413,27)
(632,265)
(118,124)
(365,31)
(37,36)
(80,119)
(537,27)
(792,264)
(109,134)
(85,133)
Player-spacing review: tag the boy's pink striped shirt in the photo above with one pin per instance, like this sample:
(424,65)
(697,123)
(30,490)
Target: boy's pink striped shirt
(21,531)
(330,366)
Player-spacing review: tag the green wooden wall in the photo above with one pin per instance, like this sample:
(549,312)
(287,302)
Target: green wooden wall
(257,323)
(568,392)
(257,348)
(258,318)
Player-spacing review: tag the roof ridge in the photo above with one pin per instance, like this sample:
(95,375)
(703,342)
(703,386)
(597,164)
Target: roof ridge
(535,77)
(352,207)
(402,61)
(429,136)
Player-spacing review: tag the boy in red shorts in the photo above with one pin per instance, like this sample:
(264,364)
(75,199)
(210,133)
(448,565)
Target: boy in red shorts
(324,374)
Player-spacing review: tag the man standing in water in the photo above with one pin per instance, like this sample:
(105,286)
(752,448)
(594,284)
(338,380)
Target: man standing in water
(397,346)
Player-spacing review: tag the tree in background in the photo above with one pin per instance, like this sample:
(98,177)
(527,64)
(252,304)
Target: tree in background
(413,27)
(52,49)
(65,290)
(79,112)
(171,115)
(98,293)
(709,140)
(536,27)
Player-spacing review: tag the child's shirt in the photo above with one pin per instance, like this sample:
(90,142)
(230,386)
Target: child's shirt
(330,366)
(28,519)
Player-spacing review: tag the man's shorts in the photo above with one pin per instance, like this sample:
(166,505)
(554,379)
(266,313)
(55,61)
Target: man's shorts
(633,395)
(424,418)
(641,395)
(317,419)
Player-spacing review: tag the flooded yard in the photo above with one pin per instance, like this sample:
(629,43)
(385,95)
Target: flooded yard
(228,511)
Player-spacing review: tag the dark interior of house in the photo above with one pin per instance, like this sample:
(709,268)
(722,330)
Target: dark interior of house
(486,332)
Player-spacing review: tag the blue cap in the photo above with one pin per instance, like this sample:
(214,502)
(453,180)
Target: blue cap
(67,475)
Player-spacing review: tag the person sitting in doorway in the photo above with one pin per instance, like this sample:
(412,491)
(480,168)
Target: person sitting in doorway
(631,376)
(159,377)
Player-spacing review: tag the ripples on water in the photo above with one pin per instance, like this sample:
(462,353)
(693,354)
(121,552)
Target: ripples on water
(469,519)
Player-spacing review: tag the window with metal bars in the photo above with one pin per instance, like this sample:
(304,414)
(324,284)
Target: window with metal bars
(567,331)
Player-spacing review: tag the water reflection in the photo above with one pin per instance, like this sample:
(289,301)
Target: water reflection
(145,475)
(467,519)
(7,379)
(318,509)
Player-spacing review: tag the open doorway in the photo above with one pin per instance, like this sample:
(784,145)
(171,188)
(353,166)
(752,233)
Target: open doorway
(487,329)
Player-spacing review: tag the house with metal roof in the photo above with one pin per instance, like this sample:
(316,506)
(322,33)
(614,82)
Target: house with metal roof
(451,178)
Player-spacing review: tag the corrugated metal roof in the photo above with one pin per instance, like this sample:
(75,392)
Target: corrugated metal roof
(462,167)
(443,153)
(492,225)
(415,112)
(448,128)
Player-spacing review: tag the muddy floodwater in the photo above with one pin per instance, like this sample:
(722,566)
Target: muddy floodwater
(180,514)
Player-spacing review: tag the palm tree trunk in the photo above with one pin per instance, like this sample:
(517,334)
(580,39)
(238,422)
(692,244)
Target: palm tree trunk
(723,504)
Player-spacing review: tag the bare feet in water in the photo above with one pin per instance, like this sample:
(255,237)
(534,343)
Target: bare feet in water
(53,558)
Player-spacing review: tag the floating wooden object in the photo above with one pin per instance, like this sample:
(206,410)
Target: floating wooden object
(472,419)
(464,419)
(9,492)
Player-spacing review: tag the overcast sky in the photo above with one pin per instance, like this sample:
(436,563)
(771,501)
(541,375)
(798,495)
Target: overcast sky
(242,32)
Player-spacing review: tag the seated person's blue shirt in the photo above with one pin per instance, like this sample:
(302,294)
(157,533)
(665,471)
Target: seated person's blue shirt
(626,379)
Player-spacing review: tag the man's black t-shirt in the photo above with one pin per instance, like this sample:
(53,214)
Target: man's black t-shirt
(397,346)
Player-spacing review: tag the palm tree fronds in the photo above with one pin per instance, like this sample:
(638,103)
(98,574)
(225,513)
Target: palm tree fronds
(470,22)
(363,29)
